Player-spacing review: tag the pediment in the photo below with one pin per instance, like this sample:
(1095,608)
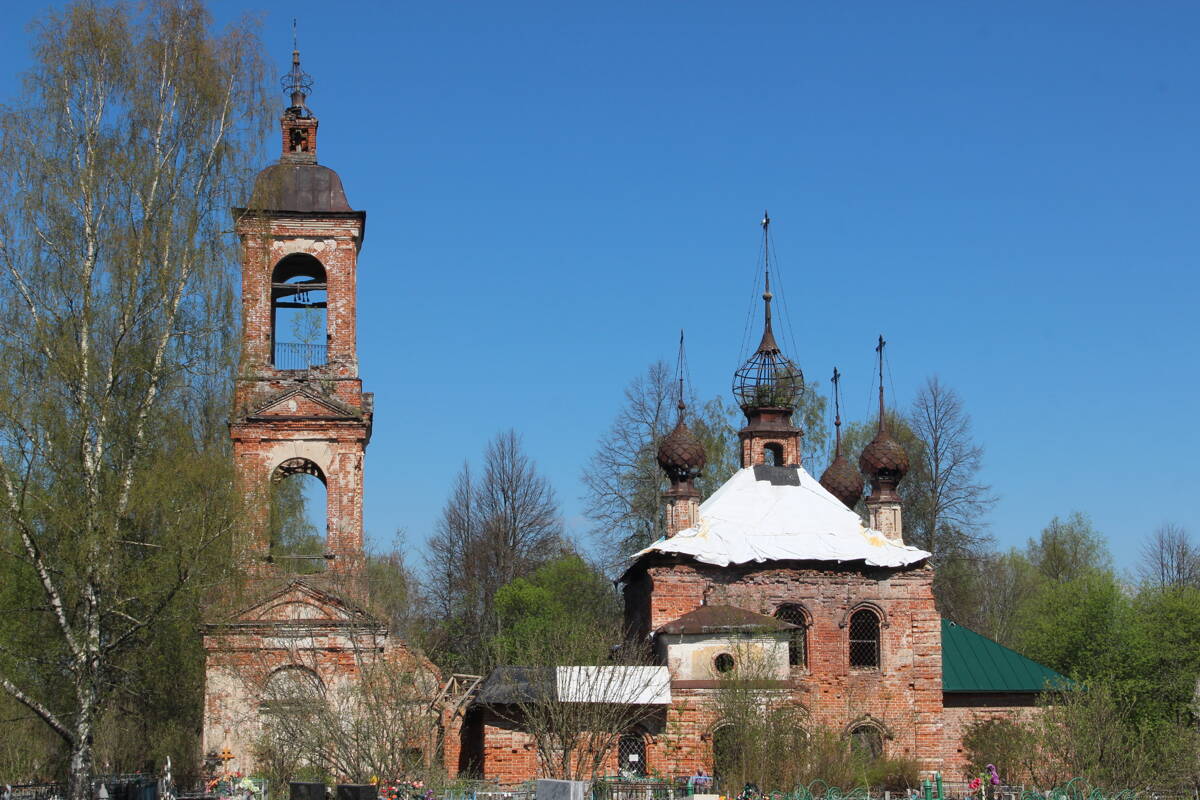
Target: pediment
(302,403)
(300,602)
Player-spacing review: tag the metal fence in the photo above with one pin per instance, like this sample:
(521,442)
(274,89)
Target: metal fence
(296,356)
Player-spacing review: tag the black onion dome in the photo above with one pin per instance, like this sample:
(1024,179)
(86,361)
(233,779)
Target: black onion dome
(305,188)
(884,459)
(680,454)
(843,481)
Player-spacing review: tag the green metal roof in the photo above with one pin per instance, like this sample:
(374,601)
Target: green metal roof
(974,663)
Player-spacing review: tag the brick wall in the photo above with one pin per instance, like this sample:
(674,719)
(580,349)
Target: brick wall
(903,697)
(964,709)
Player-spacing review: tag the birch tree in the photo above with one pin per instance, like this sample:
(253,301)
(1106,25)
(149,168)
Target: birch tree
(118,164)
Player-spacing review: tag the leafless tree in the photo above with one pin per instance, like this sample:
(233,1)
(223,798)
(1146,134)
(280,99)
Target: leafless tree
(381,721)
(947,499)
(1170,558)
(577,713)
(117,169)
(623,483)
(492,530)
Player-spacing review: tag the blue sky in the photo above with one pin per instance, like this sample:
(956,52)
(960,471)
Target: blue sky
(1008,191)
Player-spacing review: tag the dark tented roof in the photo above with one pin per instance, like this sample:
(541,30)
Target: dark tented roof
(304,188)
(717,619)
(974,663)
(514,685)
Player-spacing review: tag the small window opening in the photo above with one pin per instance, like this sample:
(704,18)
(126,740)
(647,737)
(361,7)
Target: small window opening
(866,742)
(631,754)
(798,640)
(773,455)
(298,320)
(299,140)
(864,640)
(723,663)
(298,517)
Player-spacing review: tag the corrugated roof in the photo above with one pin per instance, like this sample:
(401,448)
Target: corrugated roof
(972,662)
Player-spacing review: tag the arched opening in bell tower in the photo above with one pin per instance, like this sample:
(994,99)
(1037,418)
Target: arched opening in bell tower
(298,517)
(299,330)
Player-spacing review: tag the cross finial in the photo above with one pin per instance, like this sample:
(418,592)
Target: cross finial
(768,339)
(679,366)
(296,84)
(879,349)
(837,413)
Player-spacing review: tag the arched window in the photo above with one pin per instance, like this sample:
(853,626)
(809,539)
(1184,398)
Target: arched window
(631,754)
(298,517)
(298,303)
(773,454)
(798,641)
(864,639)
(291,689)
(727,754)
(866,741)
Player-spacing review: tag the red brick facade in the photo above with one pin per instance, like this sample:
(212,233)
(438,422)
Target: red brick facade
(903,696)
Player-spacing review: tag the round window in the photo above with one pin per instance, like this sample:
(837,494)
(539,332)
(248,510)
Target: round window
(723,662)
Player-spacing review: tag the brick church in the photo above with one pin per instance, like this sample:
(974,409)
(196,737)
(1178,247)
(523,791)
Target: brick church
(838,610)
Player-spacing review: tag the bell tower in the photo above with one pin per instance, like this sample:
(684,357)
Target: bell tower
(299,407)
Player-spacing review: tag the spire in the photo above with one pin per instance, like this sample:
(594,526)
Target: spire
(767,345)
(882,416)
(768,379)
(297,84)
(681,457)
(680,368)
(837,412)
(841,479)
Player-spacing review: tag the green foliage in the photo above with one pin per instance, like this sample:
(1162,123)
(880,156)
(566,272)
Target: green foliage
(1069,548)
(118,164)
(1159,656)
(568,603)
(1091,731)
(291,531)
(1003,742)
(1073,626)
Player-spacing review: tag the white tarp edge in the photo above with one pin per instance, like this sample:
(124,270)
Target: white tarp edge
(647,686)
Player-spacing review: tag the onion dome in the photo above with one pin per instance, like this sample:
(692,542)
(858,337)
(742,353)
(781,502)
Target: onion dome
(680,453)
(768,379)
(841,479)
(884,459)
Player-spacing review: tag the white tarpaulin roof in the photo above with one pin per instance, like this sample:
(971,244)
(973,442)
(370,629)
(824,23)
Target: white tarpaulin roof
(627,685)
(782,513)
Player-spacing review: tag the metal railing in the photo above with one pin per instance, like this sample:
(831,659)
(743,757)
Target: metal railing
(296,356)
